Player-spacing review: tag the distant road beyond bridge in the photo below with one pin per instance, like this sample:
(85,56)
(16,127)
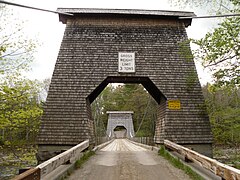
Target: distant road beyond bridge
(123,160)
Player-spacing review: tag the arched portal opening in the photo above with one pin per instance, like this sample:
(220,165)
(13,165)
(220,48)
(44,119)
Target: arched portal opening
(120,132)
(139,118)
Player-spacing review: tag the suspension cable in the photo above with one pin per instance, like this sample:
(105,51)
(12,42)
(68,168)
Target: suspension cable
(145,113)
(30,7)
(69,14)
(214,16)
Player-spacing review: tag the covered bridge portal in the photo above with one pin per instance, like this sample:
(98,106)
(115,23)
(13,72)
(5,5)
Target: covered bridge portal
(120,118)
(102,46)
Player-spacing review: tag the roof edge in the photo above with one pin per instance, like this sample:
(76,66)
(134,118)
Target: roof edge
(137,13)
(126,12)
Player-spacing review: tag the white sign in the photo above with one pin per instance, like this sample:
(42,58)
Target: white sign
(126,62)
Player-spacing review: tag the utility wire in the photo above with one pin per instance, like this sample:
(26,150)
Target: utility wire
(215,16)
(30,7)
(69,14)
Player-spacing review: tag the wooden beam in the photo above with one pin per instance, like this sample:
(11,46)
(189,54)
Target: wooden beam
(30,174)
(218,168)
(50,165)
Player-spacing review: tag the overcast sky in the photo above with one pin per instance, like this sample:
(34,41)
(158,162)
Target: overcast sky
(49,31)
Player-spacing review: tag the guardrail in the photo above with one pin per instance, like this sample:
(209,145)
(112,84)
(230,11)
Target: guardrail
(220,169)
(39,172)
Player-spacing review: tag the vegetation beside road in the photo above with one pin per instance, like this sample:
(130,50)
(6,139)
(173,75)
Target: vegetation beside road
(84,158)
(176,162)
(13,158)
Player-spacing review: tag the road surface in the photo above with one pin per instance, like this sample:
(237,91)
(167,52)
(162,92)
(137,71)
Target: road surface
(123,160)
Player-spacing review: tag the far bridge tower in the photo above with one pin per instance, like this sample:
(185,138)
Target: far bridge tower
(120,118)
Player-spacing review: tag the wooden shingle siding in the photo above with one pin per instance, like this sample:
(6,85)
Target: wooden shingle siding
(89,54)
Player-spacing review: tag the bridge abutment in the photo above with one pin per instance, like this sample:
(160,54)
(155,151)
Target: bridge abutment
(47,151)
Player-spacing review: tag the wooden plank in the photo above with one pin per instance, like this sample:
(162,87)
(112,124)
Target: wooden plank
(220,169)
(51,164)
(31,174)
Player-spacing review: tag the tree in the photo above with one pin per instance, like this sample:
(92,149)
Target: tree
(219,50)
(20,110)
(16,48)
(223,105)
(20,105)
(127,97)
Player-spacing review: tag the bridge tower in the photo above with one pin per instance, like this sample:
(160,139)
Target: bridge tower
(102,46)
(120,118)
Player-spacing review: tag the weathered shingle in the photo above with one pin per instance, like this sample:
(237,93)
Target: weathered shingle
(89,56)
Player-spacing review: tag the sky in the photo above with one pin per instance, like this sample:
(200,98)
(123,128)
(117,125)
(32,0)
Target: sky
(49,31)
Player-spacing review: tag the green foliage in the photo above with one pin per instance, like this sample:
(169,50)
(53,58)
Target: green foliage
(20,110)
(142,133)
(191,80)
(220,50)
(20,104)
(186,53)
(14,158)
(178,164)
(185,50)
(127,97)
(223,105)
(84,158)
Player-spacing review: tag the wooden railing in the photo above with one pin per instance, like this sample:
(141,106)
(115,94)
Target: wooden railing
(220,169)
(50,165)
(143,140)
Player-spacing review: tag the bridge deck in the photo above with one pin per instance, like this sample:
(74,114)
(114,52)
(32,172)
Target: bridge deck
(124,160)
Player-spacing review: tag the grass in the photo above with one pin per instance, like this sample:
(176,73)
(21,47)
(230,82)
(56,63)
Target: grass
(78,164)
(83,159)
(178,164)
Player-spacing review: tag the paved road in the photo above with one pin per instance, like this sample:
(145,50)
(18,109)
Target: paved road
(123,160)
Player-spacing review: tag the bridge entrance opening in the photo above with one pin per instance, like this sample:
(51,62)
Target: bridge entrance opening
(120,132)
(136,94)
